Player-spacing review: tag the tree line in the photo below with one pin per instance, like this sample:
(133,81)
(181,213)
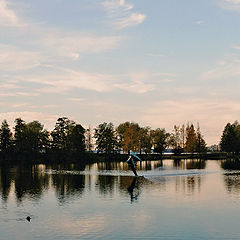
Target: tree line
(230,139)
(71,137)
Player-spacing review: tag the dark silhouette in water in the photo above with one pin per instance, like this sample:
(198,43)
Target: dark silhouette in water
(133,195)
(28,218)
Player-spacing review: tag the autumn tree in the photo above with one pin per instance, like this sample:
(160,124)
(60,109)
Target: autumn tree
(191,139)
(129,136)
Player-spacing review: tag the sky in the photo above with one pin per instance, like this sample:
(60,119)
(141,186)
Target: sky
(154,62)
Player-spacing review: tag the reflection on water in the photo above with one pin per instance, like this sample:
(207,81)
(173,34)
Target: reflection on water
(32,181)
(184,199)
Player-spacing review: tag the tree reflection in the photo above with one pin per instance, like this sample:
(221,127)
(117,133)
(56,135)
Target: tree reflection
(67,185)
(232,180)
(105,184)
(30,181)
(232,183)
(231,164)
(5,182)
(190,164)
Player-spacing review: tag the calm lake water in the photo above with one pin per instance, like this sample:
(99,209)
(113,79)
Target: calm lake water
(187,199)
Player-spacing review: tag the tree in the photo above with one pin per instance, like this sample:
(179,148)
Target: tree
(20,135)
(30,137)
(76,138)
(159,140)
(37,138)
(230,139)
(129,136)
(191,139)
(106,140)
(6,141)
(145,139)
(200,142)
(88,137)
(60,133)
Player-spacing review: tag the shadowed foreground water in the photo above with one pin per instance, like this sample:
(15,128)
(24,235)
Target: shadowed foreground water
(187,199)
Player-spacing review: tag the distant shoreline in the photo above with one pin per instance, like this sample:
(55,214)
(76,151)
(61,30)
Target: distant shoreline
(88,157)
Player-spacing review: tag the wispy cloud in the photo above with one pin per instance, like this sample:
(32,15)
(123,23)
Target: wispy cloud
(131,20)
(136,86)
(226,69)
(72,44)
(230,4)
(61,80)
(117,7)
(13,58)
(121,13)
(8,17)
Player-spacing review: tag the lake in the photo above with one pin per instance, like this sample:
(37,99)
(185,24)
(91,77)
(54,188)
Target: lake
(186,199)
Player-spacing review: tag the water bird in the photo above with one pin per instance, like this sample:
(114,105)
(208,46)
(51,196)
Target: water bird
(28,218)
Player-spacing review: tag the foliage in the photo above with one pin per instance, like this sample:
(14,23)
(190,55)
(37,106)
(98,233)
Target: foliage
(130,136)
(145,140)
(6,141)
(201,145)
(230,139)
(76,138)
(177,137)
(191,139)
(106,140)
(68,136)
(88,139)
(194,140)
(20,135)
(159,139)
(30,137)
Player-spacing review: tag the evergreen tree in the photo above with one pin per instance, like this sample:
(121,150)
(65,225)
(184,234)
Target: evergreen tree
(20,135)
(200,142)
(230,139)
(191,139)
(6,141)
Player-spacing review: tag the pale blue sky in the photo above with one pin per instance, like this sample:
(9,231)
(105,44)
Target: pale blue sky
(155,62)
